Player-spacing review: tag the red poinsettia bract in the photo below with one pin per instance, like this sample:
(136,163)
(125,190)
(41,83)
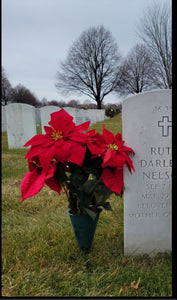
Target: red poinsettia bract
(115,156)
(62,141)
(39,175)
(95,143)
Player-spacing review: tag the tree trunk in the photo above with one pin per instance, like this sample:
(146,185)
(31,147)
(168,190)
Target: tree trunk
(98,103)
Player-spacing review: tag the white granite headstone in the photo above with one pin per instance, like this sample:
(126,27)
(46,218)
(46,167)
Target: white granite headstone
(3,119)
(21,124)
(38,116)
(92,116)
(80,116)
(88,116)
(45,112)
(147,129)
(99,113)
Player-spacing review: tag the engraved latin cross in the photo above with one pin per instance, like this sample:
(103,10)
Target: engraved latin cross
(165,124)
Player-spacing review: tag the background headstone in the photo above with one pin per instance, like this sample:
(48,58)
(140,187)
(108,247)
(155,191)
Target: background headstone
(21,124)
(38,116)
(91,116)
(87,114)
(45,112)
(80,116)
(99,114)
(147,129)
(3,119)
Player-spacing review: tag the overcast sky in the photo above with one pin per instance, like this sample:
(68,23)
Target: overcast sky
(37,34)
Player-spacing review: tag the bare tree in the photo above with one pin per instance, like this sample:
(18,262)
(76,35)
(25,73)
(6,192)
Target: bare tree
(73,103)
(92,65)
(62,103)
(138,72)
(21,94)
(53,103)
(155,30)
(87,103)
(6,88)
(44,101)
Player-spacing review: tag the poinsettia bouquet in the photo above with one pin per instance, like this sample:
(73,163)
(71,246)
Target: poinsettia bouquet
(85,165)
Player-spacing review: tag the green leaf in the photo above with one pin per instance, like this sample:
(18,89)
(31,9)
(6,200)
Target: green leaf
(78,178)
(60,173)
(89,186)
(100,188)
(85,199)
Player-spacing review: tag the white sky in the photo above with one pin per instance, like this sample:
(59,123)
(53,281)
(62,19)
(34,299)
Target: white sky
(37,35)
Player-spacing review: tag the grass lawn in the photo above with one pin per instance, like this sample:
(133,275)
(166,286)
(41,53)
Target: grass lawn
(40,255)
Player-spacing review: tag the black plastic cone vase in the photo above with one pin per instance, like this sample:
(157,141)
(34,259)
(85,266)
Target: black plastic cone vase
(84,228)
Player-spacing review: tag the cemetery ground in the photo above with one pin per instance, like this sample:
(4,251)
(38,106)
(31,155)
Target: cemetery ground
(40,255)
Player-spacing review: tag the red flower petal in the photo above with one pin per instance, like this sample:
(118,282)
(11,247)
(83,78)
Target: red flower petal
(106,158)
(48,130)
(32,183)
(94,149)
(83,126)
(33,163)
(54,184)
(46,156)
(34,151)
(37,140)
(95,143)
(129,164)
(77,154)
(61,121)
(91,132)
(62,150)
(108,136)
(116,160)
(118,138)
(78,137)
(127,149)
(113,179)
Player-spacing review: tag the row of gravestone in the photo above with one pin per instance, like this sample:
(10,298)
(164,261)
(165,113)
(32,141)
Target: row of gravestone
(20,120)
(147,129)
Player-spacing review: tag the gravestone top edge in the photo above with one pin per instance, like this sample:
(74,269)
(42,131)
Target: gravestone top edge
(147,93)
(21,104)
(49,107)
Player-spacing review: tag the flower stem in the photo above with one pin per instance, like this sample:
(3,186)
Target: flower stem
(63,186)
